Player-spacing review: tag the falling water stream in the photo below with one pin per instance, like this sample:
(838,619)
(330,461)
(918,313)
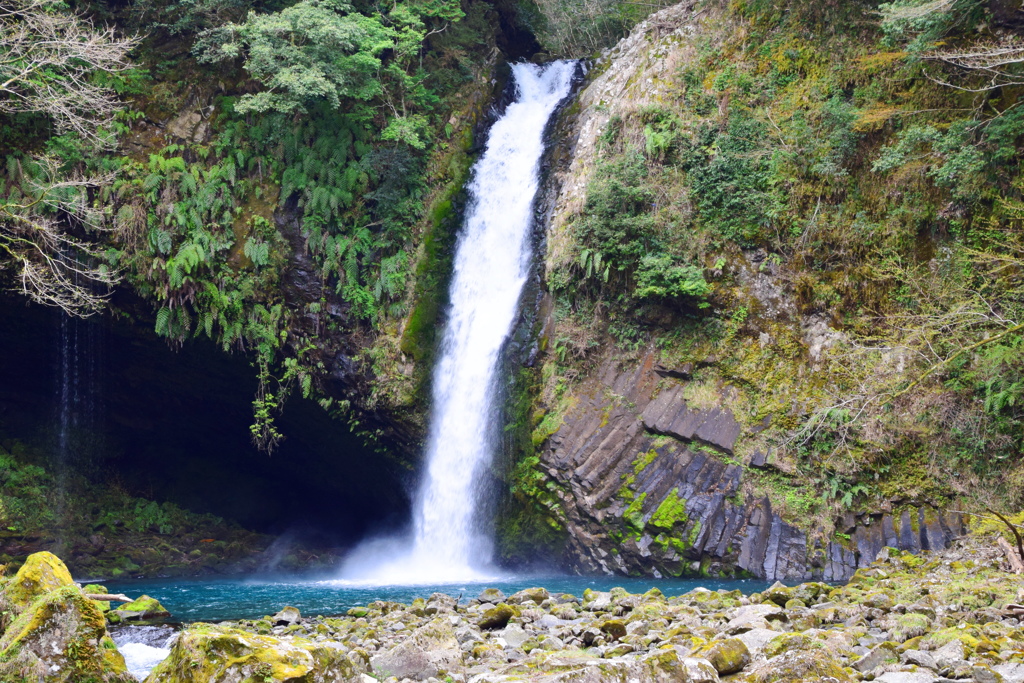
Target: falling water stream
(492,263)
(78,375)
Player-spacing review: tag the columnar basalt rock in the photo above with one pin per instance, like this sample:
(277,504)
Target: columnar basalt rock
(636,502)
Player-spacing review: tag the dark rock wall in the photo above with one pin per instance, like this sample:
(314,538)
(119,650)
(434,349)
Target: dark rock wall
(648,485)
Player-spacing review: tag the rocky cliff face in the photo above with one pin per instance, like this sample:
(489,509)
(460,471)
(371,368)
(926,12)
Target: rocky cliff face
(649,485)
(649,470)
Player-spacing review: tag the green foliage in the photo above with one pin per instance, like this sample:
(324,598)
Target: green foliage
(659,277)
(728,174)
(129,524)
(315,49)
(326,51)
(921,22)
(579,28)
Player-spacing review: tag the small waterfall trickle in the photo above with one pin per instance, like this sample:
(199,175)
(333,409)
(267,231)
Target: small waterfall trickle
(78,397)
(492,264)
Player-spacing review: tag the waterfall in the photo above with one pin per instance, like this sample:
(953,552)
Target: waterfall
(492,263)
(78,384)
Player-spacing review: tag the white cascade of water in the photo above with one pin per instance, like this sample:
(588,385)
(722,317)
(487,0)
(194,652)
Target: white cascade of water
(492,263)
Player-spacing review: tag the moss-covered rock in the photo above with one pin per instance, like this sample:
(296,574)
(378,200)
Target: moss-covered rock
(614,628)
(779,594)
(60,638)
(910,626)
(96,589)
(497,616)
(534,595)
(800,667)
(727,656)
(142,608)
(42,572)
(204,653)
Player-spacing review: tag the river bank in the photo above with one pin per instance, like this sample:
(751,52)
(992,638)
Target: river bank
(905,619)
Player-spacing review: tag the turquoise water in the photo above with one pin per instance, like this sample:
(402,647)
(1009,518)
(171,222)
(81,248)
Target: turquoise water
(219,599)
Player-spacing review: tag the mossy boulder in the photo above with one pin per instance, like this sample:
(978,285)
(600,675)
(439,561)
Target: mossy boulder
(786,642)
(727,656)
(497,616)
(534,595)
(204,653)
(491,595)
(432,651)
(614,628)
(142,608)
(909,626)
(42,572)
(61,638)
(800,667)
(779,594)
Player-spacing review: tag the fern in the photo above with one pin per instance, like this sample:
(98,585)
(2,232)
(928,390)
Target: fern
(163,322)
(257,252)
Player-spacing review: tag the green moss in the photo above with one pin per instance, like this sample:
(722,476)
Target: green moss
(633,515)
(41,573)
(910,626)
(670,512)
(143,607)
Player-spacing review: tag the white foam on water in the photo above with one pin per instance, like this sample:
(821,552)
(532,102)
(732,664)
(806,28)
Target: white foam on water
(492,262)
(141,658)
(143,647)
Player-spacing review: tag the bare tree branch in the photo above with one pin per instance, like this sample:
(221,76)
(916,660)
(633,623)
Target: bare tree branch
(47,59)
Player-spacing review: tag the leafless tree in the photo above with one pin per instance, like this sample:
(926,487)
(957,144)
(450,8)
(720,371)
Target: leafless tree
(54,267)
(999,61)
(47,60)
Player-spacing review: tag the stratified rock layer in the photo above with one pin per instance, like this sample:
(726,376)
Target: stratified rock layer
(634,502)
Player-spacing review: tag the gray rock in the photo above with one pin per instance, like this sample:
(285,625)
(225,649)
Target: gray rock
(907,677)
(756,639)
(764,610)
(550,643)
(548,621)
(660,666)
(697,671)
(877,657)
(601,601)
(491,595)
(431,650)
(919,658)
(983,674)
(1011,673)
(737,626)
(514,635)
(949,655)
(286,617)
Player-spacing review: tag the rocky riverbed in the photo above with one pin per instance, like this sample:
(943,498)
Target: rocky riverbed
(907,618)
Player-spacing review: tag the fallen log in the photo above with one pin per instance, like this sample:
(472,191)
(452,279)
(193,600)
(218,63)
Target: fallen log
(1016,565)
(109,597)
